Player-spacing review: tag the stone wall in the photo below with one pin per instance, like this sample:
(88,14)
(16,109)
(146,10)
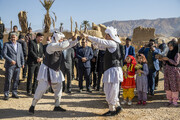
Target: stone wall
(143,34)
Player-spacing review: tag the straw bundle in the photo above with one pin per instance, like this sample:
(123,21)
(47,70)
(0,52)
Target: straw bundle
(23,21)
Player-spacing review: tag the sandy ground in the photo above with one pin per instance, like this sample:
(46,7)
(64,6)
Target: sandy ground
(83,106)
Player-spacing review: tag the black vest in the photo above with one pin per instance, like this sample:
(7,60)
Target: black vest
(53,61)
(112,59)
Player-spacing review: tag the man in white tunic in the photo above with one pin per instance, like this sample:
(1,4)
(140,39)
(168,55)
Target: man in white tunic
(113,74)
(50,73)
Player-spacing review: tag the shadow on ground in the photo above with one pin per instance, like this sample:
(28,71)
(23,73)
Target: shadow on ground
(45,114)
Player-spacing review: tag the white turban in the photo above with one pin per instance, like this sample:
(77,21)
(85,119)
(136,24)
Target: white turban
(113,33)
(57,36)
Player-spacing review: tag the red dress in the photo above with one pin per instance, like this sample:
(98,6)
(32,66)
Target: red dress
(129,82)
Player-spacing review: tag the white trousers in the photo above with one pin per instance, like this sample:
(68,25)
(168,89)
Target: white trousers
(41,89)
(111,91)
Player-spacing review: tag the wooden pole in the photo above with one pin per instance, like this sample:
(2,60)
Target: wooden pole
(11,25)
(71,24)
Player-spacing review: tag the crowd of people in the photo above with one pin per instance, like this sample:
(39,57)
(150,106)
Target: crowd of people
(45,67)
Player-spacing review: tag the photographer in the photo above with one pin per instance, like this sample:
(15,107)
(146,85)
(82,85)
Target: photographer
(153,64)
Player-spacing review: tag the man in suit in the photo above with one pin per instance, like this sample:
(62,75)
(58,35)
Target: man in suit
(94,66)
(35,57)
(13,54)
(84,55)
(29,36)
(153,64)
(100,67)
(129,50)
(75,62)
(68,56)
(24,47)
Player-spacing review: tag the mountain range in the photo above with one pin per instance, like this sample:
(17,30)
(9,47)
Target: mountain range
(163,26)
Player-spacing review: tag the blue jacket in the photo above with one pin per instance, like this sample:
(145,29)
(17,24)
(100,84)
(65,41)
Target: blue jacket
(131,51)
(155,61)
(88,53)
(10,54)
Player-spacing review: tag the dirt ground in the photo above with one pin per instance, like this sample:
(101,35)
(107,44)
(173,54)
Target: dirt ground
(83,106)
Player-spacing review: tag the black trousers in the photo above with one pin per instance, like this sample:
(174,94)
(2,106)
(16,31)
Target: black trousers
(157,79)
(77,71)
(93,78)
(25,69)
(86,73)
(99,79)
(32,70)
(12,73)
(68,72)
(73,64)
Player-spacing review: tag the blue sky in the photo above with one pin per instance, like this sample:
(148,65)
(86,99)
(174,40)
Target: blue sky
(97,11)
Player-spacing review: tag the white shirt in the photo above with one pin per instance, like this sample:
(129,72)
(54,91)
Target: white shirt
(103,44)
(60,46)
(15,46)
(56,76)
(127,51)
(113,74)
(38,47)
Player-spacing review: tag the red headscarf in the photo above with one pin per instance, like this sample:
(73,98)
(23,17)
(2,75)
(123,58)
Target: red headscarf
(133,60)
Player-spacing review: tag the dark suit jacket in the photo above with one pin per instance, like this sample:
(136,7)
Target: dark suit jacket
(94,64)
(86,52)
(131,51)
(33,53)
(10,54)
(24,47)
(69,57)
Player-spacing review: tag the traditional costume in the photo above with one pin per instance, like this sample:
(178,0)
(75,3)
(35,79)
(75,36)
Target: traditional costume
(113,74)
(50,73)
(128,83)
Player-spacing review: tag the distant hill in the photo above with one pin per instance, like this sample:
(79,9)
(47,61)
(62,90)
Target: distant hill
(164,26)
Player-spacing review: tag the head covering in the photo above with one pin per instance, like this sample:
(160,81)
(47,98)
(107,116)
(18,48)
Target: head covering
(143,57)
(57,36)
(172,53)
(133,60)
(113,33)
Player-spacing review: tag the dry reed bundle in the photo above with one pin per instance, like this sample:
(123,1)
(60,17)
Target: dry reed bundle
(47,19)
(23,21)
